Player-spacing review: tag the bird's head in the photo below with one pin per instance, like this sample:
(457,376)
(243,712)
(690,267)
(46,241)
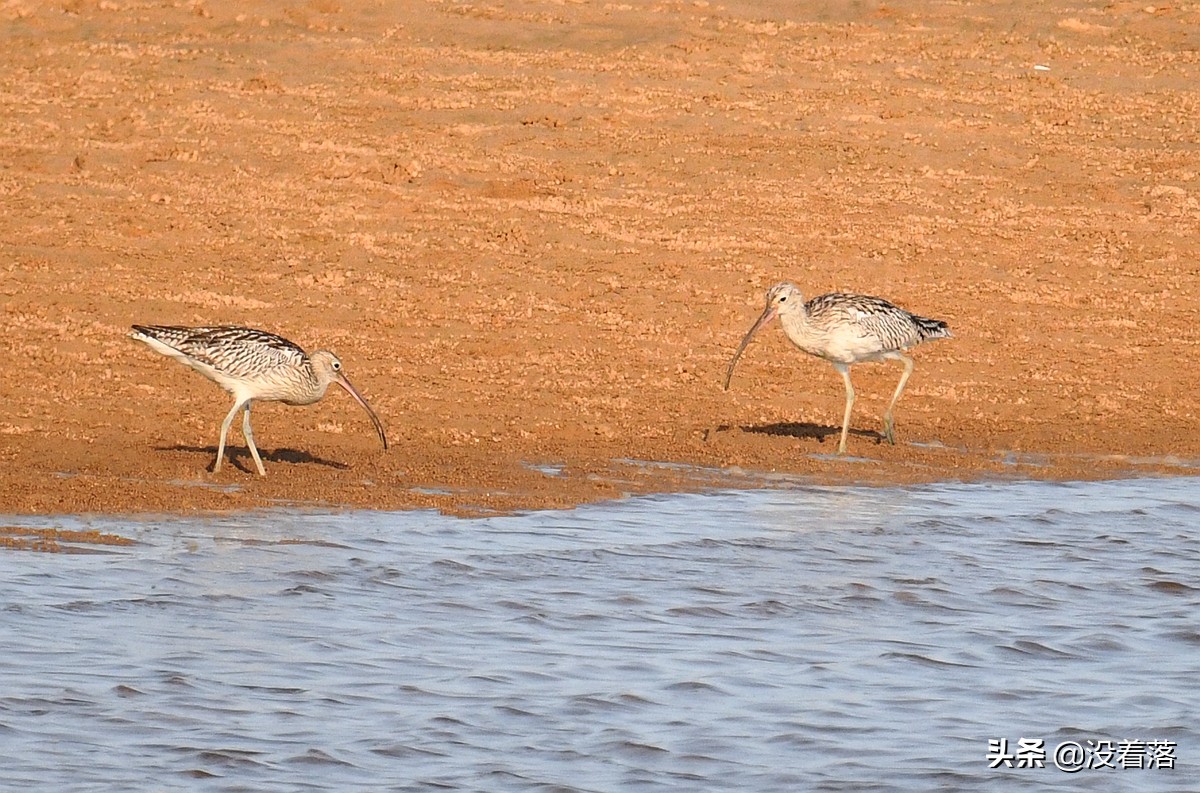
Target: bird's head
(326,366)
(328,369)
(783,298)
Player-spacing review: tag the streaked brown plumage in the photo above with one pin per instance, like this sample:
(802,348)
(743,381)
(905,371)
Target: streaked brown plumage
(846,329)
(252,365)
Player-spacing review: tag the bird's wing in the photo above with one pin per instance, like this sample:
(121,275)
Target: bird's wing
(873,318)
(230,350)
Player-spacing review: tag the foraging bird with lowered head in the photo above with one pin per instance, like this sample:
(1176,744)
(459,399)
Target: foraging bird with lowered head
(252,365)
(846,329)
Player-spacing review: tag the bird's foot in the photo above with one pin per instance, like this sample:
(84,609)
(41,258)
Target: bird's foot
(889,430)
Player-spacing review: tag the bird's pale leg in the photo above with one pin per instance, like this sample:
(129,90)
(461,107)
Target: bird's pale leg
(889,422)
(844,370)
(225,425)
(249,435)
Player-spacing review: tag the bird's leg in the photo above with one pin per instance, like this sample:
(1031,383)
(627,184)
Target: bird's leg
(249,435)
(889,422)
(225,431)
(844,370)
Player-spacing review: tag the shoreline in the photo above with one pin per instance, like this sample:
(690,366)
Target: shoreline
(559,485)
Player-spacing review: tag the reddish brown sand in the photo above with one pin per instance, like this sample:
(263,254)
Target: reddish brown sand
(536,231)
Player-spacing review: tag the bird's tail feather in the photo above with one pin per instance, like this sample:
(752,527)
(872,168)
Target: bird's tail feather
(933,328)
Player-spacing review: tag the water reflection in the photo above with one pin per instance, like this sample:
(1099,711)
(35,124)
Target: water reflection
(811,638)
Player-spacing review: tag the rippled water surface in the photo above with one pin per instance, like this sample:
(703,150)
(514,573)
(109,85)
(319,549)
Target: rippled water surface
(810,638)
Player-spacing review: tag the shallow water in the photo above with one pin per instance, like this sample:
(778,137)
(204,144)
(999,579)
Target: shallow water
(808,638)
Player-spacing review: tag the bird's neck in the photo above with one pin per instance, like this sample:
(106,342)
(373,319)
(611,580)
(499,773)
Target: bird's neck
(313,387)
(795,322)
(803,332)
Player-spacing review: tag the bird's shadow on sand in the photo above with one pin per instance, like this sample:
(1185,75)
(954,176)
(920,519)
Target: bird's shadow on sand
(800,429)
(239,457)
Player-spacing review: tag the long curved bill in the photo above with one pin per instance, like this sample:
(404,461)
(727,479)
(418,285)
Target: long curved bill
(344,383)
(768,314)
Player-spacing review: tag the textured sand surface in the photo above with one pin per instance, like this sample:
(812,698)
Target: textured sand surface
(535,232)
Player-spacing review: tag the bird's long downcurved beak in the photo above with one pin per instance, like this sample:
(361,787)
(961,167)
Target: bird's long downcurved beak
(768,314)
(344,383)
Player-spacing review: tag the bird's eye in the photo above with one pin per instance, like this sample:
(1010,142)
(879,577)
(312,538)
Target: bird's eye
(337,365)
(783,299)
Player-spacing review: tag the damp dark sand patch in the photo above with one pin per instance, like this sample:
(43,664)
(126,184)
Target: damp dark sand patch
(49,540)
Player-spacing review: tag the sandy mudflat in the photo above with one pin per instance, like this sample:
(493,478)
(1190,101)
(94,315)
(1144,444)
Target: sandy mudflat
(536,231)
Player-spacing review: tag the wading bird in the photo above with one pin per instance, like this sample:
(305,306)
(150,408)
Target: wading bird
(252,365)
(846,329)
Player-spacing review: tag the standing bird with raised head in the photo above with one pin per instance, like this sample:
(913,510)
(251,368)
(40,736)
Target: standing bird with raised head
(846,329)
(252,365)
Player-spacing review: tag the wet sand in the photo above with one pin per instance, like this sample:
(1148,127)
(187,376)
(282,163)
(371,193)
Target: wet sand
(535,233)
